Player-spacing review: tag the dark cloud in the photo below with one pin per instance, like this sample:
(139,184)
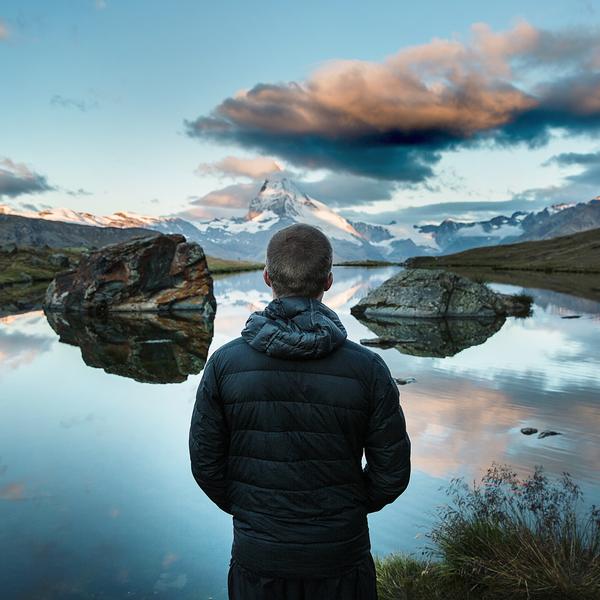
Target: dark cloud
(590,161)
(392,120)
(17,179)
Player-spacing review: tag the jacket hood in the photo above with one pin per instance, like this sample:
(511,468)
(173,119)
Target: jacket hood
(294,327)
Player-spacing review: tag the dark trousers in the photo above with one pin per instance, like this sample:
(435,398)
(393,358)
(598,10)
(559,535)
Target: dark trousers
(358,583)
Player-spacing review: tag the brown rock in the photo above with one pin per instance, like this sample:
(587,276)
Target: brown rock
(149,274)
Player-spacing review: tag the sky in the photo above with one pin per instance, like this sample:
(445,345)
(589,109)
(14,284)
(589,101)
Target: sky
(383,110)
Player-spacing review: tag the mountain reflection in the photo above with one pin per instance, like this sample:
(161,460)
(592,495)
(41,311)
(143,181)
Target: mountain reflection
(149,348)
(433,337)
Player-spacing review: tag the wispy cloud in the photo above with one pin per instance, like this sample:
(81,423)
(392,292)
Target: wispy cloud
(392,120)
(233,166)
(17,179)
(81,105)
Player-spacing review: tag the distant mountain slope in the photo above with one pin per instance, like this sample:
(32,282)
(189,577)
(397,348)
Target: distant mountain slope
(25,231)
(548,224)
(579,252)
(561,219)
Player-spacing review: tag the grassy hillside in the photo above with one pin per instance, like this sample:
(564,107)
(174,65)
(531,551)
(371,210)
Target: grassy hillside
(576,253)
(223,265)
(29,265)
(366,263)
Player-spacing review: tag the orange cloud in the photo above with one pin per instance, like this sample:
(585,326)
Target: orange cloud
(254,168)
(391,119)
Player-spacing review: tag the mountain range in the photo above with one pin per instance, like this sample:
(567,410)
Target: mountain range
(557,220)
(280,203)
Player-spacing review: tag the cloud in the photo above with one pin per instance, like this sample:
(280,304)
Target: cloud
(78,192)
(392,120)
(576,187)
(339,190)
(81,105)
(17,179)
(590,161)
(4,34)
(229,201)
(237,195)
(100,4)
(233,166)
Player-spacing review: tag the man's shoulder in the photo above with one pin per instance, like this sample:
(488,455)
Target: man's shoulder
(357,352)
(232,347)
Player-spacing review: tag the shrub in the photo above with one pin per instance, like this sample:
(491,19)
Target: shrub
(519,538)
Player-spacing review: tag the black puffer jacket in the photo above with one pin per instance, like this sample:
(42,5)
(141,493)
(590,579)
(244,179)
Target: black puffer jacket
(282,417)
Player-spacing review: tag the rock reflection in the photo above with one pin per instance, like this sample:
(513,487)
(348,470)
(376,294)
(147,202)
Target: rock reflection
(433,337)
(150,348)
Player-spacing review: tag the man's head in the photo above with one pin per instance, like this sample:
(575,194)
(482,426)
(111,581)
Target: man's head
(299,261)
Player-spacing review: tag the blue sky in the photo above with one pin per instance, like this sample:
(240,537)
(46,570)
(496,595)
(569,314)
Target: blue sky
(98,101)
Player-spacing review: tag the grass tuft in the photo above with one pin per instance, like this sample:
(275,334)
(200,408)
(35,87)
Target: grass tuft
(504,538)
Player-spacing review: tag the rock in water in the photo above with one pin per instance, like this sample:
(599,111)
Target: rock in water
(434,293)
(529,430)
(149,274)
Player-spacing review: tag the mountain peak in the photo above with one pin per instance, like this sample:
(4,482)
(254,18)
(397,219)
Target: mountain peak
(280,196)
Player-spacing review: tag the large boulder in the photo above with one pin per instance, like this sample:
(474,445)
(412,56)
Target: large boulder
(150,274)
(429,293)
(151,348)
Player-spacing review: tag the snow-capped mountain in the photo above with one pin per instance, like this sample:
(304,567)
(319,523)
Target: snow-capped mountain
(279,203)
(554,221)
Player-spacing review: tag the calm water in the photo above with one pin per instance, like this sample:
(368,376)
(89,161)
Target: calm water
(96,495)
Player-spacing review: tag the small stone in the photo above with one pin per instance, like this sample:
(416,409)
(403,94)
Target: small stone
(406,381)
(529,430)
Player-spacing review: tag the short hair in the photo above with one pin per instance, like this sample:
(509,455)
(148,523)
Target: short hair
(299,260)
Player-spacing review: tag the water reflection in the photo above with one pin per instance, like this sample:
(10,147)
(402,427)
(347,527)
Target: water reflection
(96,496)
(432,337)
(149,348)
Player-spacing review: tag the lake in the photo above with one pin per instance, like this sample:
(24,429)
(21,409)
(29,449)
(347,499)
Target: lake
(96,495)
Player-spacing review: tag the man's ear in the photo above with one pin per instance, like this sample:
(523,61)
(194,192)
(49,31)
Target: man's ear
(266,277)
(329,281)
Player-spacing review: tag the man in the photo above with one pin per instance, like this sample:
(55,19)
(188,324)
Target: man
(282,417)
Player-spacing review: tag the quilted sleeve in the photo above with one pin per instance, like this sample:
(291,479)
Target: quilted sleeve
(387,445)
